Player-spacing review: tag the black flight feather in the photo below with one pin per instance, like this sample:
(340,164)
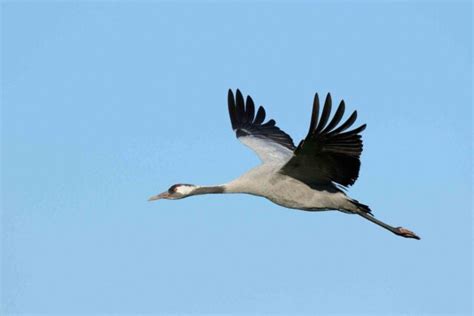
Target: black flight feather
(245,123)
(327,154)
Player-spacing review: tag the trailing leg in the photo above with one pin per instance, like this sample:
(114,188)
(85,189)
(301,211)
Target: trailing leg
(400,231)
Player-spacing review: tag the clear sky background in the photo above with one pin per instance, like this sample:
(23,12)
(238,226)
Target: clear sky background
(107,103)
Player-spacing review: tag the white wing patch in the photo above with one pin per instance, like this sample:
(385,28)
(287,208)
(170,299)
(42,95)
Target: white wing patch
(266,150)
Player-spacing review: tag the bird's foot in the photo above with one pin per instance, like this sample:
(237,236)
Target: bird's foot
(406,233)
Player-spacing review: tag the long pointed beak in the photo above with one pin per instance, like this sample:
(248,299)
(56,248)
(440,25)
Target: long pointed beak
(159,196)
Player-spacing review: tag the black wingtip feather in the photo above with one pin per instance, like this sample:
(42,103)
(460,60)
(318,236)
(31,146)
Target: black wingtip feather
(348,123)
(231,106)
(245,123)
(240,108)
(336,118)
(327,155)
(314,115)
(260,116)
(250,109)
(326,113)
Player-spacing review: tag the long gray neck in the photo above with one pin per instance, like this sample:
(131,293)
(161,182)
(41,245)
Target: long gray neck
(209,190)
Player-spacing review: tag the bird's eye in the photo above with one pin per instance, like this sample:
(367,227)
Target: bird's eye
(173,189)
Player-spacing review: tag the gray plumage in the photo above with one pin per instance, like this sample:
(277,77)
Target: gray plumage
(308,177)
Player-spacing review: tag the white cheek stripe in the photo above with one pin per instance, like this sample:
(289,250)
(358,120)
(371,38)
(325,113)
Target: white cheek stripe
(183,189)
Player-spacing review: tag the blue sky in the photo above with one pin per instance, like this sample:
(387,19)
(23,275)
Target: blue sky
(107,103)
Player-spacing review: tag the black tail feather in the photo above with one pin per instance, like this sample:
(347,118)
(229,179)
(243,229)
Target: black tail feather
(362,207)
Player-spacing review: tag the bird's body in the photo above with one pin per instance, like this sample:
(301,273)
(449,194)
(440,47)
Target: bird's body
(307,177)
(265,181)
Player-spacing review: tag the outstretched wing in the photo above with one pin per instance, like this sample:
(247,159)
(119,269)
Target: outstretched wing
(269,142)
(328,153)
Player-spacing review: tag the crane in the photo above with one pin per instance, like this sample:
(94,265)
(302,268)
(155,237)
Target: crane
(312,176)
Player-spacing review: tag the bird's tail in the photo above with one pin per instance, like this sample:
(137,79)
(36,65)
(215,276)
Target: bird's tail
(362,207)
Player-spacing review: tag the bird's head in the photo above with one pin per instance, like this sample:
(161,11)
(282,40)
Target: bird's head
(175,192)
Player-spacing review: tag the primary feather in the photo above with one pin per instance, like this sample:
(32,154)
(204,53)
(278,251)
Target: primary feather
(266,139)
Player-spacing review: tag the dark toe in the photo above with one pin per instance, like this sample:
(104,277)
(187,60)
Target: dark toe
(407,233)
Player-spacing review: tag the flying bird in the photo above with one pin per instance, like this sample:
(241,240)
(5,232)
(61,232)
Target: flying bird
(312,176)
